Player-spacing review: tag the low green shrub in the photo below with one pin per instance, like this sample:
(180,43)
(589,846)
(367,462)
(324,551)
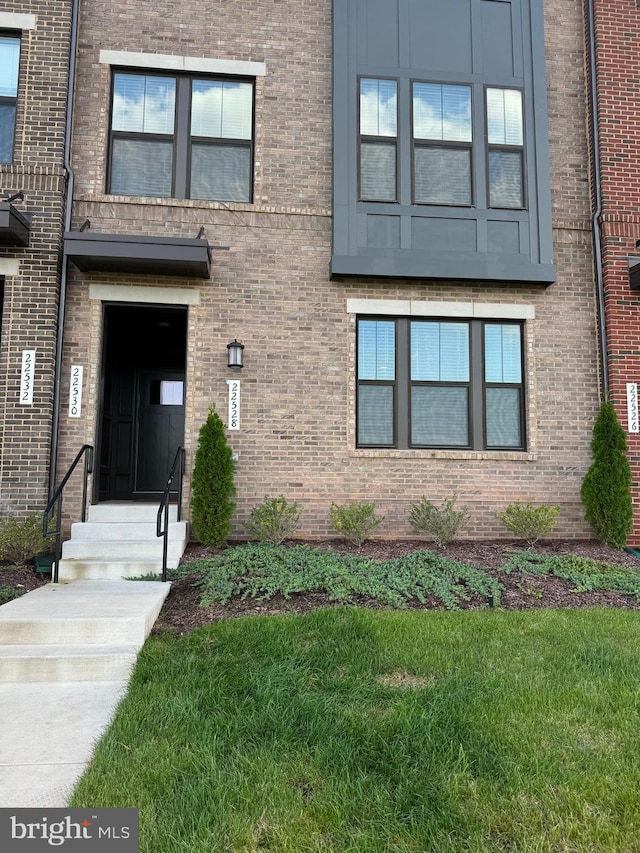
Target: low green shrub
(8,593)
(21,539)
(442,524)
(273,520)
(261,571)
(529,522)
(354,522)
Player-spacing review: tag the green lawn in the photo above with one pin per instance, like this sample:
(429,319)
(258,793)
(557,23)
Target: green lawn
(358,730)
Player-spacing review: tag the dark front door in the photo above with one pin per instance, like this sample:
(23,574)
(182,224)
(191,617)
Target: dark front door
(143,383)
(160,427)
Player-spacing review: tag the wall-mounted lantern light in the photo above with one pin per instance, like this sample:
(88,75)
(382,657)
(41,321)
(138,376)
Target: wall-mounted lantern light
(235,355)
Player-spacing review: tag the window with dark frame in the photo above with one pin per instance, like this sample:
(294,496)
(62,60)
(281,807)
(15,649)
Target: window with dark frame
(440,384)
(181,137)
(9,70)
(505,147)
(378,139)
(442,138)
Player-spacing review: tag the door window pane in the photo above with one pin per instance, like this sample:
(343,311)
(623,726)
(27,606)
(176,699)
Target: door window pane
(171,392)
(221,172)
(141,167)
(375,415)
(442,112)
(378,108)
(442,175)
(439,416)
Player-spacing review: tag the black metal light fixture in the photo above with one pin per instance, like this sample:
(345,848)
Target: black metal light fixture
(235,355)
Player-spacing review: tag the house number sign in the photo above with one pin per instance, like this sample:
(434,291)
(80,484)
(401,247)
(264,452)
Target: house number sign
(75,391)
(26,377)
(632,407)
(234,403)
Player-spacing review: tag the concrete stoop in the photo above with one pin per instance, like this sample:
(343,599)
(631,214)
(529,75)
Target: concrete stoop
(67,651)
(78,631)
(118,538)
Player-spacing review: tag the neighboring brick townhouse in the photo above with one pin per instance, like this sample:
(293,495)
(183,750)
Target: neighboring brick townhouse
(34,69)
(388,202)
(614,30)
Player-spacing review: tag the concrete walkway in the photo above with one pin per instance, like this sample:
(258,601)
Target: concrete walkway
(66,655)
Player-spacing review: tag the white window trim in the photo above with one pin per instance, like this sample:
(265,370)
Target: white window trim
(169,62)
(17,21)
(156,295)
(9,266)
(415,308)
(418,308)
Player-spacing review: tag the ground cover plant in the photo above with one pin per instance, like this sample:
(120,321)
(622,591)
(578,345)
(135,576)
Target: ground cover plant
(360,730)
(261,571)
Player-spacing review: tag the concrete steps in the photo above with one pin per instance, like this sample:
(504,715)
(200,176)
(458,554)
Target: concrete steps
(67,651)
(119,540)
(64,663)
(78,631)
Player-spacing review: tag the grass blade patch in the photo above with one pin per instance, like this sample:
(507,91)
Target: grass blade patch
(372,731)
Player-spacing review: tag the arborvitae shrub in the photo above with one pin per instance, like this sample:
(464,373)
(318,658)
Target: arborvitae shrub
(212,485)
(606,488)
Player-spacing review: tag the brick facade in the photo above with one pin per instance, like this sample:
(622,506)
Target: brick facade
(617,66)
(271,288)
(30,312)
(270,285)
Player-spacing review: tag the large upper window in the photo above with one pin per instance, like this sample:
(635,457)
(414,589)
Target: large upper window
(9,67)
(447,384)
(443,137)
(181,137)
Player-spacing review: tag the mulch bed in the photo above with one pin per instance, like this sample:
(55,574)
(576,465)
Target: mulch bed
(182,611)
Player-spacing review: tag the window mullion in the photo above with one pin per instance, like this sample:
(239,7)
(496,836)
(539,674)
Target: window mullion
(476,387)
(403,383)
(182,139)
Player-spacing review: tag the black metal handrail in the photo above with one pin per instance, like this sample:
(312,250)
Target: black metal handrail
(163,509)
(56,503)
